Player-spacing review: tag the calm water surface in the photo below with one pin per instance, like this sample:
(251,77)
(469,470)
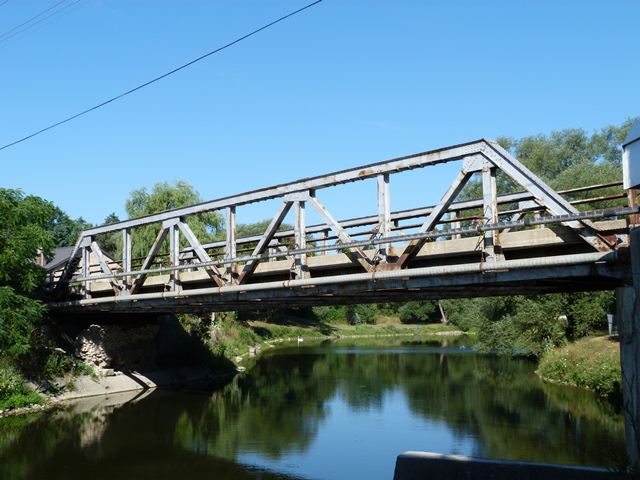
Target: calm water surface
(333,411)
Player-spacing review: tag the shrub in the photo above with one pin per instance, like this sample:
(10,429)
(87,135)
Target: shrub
(420,311)
(592,363)
(337,314)
(14,393)
(532,326)
(367,312)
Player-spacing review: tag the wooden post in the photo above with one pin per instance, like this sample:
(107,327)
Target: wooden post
(628,316)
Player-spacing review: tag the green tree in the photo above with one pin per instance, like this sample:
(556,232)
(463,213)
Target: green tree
(24,232)
(65,230)
(417,311)
(165,196)
(111,243)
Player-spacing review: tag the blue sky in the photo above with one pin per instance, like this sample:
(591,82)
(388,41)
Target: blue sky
(345,83)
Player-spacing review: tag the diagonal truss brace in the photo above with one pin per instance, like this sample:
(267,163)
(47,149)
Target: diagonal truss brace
(413,247)
(355,254)
(104,266)
(153,252)
(543,194)
(202,254)
(265,240)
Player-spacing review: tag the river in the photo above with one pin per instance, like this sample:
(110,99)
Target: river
(336,410)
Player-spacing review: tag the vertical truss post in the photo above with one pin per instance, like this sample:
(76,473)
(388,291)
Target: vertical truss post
(174,255)
(273,248)
(325,241)
(126,257)
(230,247)
(490,212)
(301,269)
(384,213)
(453,215)
(86,265)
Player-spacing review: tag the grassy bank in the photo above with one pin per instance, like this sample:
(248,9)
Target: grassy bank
(233,338)
(14,392)
(592,363)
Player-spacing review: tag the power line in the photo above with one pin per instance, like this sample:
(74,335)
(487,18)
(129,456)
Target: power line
(8,35)
(164,75)
(3,34)
(4,2)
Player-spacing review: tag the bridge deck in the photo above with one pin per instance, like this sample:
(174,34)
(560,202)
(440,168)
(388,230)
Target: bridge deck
(448,269)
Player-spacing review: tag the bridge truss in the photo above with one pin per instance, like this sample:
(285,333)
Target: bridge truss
(532,241)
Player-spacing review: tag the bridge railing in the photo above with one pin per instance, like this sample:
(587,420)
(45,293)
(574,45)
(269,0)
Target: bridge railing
(396,237)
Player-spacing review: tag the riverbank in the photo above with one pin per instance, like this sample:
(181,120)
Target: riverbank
(240,340)
(230,339)
(591,363)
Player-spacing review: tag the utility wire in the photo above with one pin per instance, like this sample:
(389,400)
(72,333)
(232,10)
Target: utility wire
(4,34)
(4,2)
(164,75)
(30,26)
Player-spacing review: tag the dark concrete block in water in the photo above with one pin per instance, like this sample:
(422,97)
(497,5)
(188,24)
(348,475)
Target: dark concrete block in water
(434,466)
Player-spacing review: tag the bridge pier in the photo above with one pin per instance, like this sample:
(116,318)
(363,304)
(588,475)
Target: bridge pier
(628,313)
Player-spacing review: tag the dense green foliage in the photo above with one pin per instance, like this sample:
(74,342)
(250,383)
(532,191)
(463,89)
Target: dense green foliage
(29,226)
(530,325)
(165,196)
(13,391)
(417,311)
(592,363)
(24,232)
(66,231)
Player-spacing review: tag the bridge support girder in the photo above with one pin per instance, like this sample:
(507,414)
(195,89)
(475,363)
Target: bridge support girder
(628,313)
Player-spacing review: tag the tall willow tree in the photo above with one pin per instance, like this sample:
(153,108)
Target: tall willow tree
(164,196)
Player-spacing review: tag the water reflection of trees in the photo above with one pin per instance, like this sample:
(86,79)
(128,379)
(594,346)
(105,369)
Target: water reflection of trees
(278,407)
(134,440)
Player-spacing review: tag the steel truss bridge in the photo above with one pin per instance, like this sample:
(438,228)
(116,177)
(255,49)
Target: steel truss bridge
(532,241)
